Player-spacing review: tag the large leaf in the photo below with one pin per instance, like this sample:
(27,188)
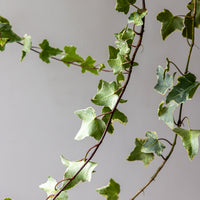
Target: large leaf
(48,51)
(137,153)
(106,94)
(164,81)
(88,65)
(49,188)
(27,41)
(73,167)
(136,17)
(169,23)
(6,33)
(110,191)
(166,113)
(152,144)
(184,89)
(71,56)
(117,116)
(91,126)
(190,140)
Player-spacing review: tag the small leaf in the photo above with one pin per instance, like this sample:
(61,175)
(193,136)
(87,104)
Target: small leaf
(137,153)
(7,199)
(184,89)
(6,33)
(116,65)
(91,126)
(187,31)
(49,188)
(102,66)
(190,6)
(110,191)
(106,94)
(88,65)
(136,17)
(169,23)
(164,81)
(125,35)
(117,116)
(48,51)
(113,52)
(71,56)
(152,144)
(27,41)
(166,113)
(124,5)
(120,78)
(190,140)
(73,167)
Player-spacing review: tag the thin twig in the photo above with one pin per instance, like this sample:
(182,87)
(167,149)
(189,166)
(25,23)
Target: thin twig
(177,67)
(165,140)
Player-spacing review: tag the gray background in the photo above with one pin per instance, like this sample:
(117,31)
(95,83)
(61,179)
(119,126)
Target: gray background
(38,101)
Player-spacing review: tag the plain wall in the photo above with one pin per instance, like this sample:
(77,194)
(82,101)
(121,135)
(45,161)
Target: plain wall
(38,101)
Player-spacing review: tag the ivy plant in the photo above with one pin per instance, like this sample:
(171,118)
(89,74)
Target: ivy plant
(175,86)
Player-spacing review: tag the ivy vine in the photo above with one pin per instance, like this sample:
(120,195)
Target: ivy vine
(176,87)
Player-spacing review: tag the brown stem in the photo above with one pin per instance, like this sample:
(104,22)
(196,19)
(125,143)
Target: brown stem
(111,115)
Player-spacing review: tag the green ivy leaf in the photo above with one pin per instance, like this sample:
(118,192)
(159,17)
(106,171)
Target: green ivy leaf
(184,89)
(116,65)
(136,17)
(166,113)
(169,23)
(73,167)
(88,65)
(6,33)
(137,153)
(102,66)
(117,116)
(48,51)
(190,140)
(190,6)
(110,191)
(164,81)
(120,78)
(27,41)
(124,5)
(49,188)
(91,126)
(106,94)
(152,144)
(125,35)
(7,199)
(187,31)
(71,56)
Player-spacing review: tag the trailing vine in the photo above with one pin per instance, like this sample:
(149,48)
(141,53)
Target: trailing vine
(110,94)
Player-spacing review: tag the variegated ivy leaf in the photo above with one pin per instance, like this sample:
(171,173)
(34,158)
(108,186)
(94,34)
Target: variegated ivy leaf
(136,17)
(152,144)
(73,167)
(190,140)
(169,23)
(184,89)
(27,41)
(117,116)
(106,94)
(7,35)
(71,56)
(137,153)
(166,113)
(110,191)
(164,81)
(91,126)
(49,188)
(124,5)
(125,34)
(48,51)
